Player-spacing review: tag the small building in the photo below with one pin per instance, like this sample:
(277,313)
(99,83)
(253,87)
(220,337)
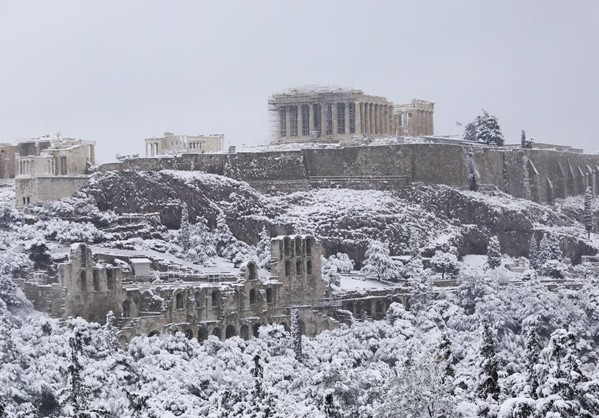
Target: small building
(325,114)
(415,119)
(184,144)
(50,168)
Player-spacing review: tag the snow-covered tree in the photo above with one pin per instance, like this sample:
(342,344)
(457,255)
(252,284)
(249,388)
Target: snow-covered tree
(533,350)
(414,243)
(224,239)
(445,263)
(379,263)
(296,334)
(545,253)
(533,253)
(588,211)
(493,253)
(201,243)
(331,407)
(263,249)
(484,129)
(488,378)
(184,234)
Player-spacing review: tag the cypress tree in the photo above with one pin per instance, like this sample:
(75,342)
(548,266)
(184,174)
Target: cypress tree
(493,253)
(184,234)
(588,211)
(296,333)
(488,379)
(533,253)
(533,350)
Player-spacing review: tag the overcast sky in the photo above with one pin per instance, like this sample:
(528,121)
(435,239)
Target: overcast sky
(120,71)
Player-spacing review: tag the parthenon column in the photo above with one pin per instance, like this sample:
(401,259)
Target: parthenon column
(358,116)
(288,122)
(300,121)
(366,118)
(312,122)
(323,119)
(347,113)
(335,120)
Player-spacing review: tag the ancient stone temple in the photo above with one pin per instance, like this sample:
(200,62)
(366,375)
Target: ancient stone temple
(324,114)
(183,144)
(415,119)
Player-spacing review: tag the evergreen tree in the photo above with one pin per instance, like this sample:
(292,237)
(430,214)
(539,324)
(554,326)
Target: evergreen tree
(533,349)
(296,333)
(533,253)
(331,409)
(263,249)
(79,393)
(493,253)
(488,379)
(414,243)
(545,254)
(446,358)
(443,263)
(484,129)
(588,211)
(184,235)
(202,243)
(556,247)
(379,263)
(223,236)
(258,374)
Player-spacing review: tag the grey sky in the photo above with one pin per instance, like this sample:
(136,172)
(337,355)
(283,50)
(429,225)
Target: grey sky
(119,71)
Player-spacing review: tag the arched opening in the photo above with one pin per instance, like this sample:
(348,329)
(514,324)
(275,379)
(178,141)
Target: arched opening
(298,267)
(179,300)
(198,298)
(188,334)
(110,279)
(83,281)
(203,334)
(153,333)
(380,307)
(230,331)
(269,295)
(287,268)
(287,246)
(252,296)
(126,309)
(302,327)
(256,330)
(309,267)
(298,247)
(285,326)
(83,250)
(123,341)
(215,298)
(244,332)
(96,280)
(309,247)
(253,271)
(217,332)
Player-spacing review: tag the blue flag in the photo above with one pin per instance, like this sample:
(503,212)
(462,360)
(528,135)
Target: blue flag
(458,123)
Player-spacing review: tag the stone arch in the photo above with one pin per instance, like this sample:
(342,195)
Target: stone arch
(244,332)
(126,309)
(287,246)
(202,333)
(298,247)
(287,268)
(230,331)
(256,329)
(217,332)
(83,281)
(269,295)
(199,299)
(379,308)
(188,333)
(123,341)
(253,296)
(96,280)
(309,242)
(215,299)
(252,270)
(298,267)
(153,333)
(309,267)
(179,300)
(110,282)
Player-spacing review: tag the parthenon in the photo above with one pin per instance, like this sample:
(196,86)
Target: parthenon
(329,114)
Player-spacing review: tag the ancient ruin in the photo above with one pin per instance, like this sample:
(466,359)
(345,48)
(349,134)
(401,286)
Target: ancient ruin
(189,144)
(415,119)
(49,168)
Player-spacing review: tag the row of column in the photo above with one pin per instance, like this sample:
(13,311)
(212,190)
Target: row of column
(416,123)
(152,149)
(25,166)
(339,118)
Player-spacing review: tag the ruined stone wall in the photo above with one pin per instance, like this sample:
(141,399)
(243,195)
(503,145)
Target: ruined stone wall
(46,189)
(540,175)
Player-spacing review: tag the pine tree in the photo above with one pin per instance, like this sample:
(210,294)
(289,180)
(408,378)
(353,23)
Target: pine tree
(556,247)
(443,263)
(545,254)
(588,211)
(296,333)
(184,234)
(263,249)
(223,236)
(533,253)
(258,374)
(446,358)
(414,243)
(493,253)
(533,349)
(470,132)
(484,129)
(488,379)
(78,390)
(379,263)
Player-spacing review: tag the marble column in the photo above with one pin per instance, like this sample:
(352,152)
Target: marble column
(335,127)
(300,121)
(358,116)
(312,121)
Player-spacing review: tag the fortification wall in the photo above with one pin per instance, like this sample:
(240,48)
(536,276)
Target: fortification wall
(539,175)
